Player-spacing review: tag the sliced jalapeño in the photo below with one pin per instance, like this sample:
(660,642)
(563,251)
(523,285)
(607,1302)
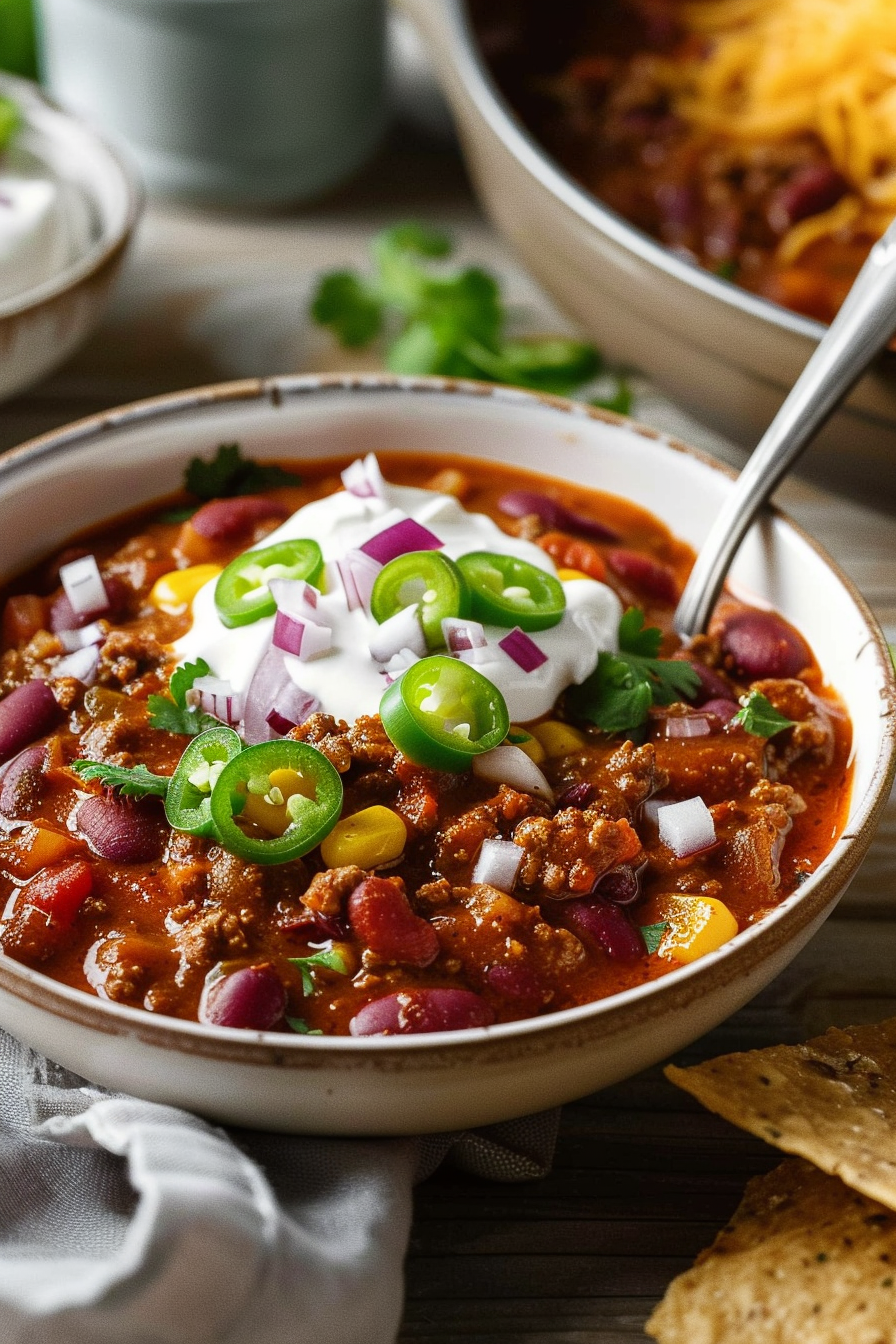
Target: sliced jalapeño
(508,591)
(188,800)
(442,712)
(241,593)
(428,578)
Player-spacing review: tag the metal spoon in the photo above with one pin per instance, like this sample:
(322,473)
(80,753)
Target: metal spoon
(861,329)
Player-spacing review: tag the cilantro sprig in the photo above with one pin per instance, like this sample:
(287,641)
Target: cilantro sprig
(136,782)
(447,322)
(330,959)
(621,689)
(653,935)
(171,713)
(759,716)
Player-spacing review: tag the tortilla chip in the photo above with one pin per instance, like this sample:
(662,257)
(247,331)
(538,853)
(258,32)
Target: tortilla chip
(803,1261)
(831,1100)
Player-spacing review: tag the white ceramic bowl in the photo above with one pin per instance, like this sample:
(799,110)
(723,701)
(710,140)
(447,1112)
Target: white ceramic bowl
(43,325)
(729,356)
(109,463)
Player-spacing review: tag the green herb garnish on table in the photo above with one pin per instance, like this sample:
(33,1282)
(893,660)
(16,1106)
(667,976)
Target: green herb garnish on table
(437,321)
(621,689)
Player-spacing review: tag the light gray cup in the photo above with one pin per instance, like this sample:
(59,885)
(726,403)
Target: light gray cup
(236,101)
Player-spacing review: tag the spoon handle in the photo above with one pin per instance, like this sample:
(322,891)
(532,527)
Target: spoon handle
(863,326)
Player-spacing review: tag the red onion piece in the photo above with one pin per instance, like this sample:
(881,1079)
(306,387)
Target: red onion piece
(82,665)
(272,690)
(604,923)
(686,827)
(304,638)
(122,829)
(762,644)
(723,710)
(462,636)
(314,924)
(498,864)
(401,631)
(217,697)
(252,998)
(229,519)
(62,615)
(523,650)
(27,713)
(621,885)
(687,725)
(422,1010)
(509,765)
(296,597)
(84,587)
(71,640)
(401,537)
(364,479)
(381,917)
(357,574)
(519,503)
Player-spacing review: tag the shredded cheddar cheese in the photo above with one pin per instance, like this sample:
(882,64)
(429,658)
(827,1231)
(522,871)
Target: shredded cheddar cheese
(780,69)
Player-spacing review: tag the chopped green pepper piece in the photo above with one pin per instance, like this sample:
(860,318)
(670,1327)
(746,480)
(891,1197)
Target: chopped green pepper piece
(508,591)
(188,801)
(428,578)
(241,593)
(442,712)
(276,801)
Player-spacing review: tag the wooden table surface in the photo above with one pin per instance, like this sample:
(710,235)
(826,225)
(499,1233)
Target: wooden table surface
(643,1177)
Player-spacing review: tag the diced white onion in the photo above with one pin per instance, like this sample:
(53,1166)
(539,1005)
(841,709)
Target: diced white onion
(401,631)
(398,664)
(79,639)
(686,827)
(81,664)
(84,586)
(498,864)
(509,765)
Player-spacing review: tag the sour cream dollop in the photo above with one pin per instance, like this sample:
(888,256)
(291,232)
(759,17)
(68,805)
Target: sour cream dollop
(346,680)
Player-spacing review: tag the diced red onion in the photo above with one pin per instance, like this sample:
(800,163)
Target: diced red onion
(84,586)
(462,636)
(217,697)
(723,710)
(523,650)
(79,639)
(509,765)
(686,827)
(401,631)
(498,864)
(357,574)
(81,665)
(403,536)
(398,664)
(300,636)
(364,479)
(687,725)
(273,691)
(296,597)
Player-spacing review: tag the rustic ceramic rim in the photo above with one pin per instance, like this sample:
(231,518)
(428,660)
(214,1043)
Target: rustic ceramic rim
(573,1027)
(534,158)
(106,252)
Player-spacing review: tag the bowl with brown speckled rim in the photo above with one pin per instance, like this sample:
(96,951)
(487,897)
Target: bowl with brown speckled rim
(44,325)
(102,466)
(729,356)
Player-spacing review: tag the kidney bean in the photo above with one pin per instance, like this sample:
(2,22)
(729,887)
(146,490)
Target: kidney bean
(27,713)
(62,615)
(23,781)
(621,885)
(519,503)
(517,982)
(381,917)
(577,795)
(602,922)
(724,710)
(811,190)
(122,829)
(421,1010)
(253,998)
(762,644)
(650,576)
(230,519)
(318,926)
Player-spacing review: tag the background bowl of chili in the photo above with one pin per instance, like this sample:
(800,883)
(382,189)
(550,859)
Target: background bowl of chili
(77,477)
(727,354)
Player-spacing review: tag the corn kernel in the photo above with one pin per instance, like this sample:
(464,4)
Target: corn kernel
(38,846)
(268,797)
(529,744)
(558,739)
(568,575)
(174,592)
(697,925)
(367,839)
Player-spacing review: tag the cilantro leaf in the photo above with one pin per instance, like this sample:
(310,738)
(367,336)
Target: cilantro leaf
(178,515)
(10,120)
(653,935)
(759,716)
(299,1025)
(173,715)
(331,959)
(620,401)
(619,692)
(138,782)
(229,474)
(349,307)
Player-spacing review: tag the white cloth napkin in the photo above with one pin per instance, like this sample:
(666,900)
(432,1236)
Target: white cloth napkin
(126,1222)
